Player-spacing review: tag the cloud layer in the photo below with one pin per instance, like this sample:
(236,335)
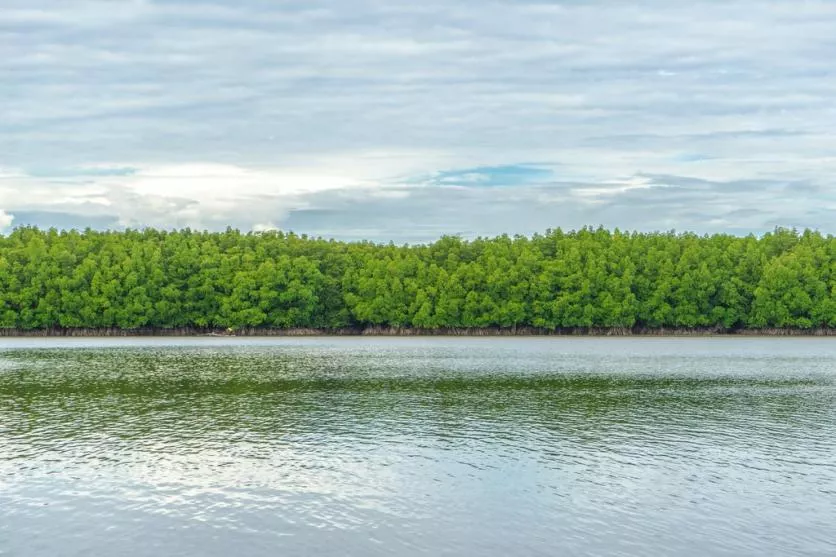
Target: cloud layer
(390,120)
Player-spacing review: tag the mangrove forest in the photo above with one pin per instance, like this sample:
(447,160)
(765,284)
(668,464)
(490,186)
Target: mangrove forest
(557,280)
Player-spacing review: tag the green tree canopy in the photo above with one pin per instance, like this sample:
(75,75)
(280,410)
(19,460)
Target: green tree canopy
(584,278)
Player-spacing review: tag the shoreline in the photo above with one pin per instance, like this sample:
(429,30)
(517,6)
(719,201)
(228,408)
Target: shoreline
(416,332)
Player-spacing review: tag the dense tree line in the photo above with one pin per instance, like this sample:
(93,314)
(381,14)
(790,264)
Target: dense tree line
(578,279)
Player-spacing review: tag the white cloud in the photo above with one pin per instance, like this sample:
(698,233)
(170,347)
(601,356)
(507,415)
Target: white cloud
(255,113)
(264,227)
(197,195)
(5,220)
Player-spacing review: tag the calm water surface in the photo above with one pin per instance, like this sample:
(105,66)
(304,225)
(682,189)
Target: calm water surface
(363,447)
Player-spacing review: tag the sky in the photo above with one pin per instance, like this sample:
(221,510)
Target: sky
(403,121)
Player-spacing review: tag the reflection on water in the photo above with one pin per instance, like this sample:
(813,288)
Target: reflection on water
(418,447)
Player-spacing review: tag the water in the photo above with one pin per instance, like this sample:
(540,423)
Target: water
(363,447)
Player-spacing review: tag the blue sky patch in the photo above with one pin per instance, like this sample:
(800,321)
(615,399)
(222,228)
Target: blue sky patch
(492,176)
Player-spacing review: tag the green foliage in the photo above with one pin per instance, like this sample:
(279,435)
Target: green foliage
(585,278)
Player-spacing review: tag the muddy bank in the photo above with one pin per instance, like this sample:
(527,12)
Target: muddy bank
(410,331)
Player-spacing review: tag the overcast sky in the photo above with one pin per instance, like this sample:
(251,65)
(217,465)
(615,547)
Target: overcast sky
(395,120)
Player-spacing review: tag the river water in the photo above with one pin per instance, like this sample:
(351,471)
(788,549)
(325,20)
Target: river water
(415,446)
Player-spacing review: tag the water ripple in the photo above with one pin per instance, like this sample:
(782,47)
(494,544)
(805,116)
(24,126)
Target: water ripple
(442,447)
